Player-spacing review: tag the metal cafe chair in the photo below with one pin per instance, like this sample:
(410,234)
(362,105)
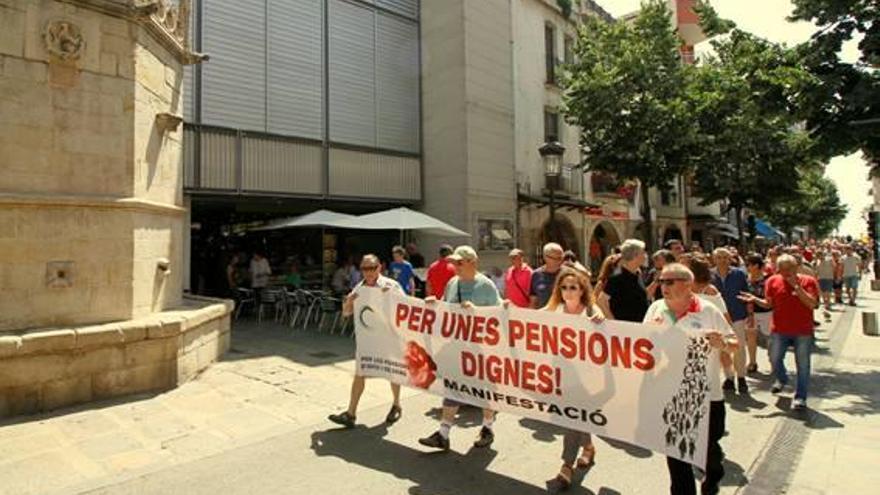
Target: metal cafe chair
(313,308)
(243,297)
(273,299)
(329,305)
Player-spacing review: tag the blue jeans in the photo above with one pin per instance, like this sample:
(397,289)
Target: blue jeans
(803,347)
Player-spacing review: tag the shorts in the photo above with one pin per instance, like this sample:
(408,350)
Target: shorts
(851,282)
(762,321)
(838,284)
(826,284)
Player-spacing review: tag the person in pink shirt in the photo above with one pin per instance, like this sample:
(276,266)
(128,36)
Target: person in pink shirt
(518,279)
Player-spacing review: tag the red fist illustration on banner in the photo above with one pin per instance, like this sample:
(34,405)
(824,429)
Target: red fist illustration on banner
(420,367)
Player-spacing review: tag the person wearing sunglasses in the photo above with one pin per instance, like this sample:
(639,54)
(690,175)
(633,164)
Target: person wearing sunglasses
(468,288)
(372,280)
(681,309)
(572,295)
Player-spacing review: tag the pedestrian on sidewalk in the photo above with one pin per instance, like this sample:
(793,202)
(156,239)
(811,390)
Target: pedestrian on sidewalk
(681,308)
(544,276)
(852,272)
(440,272)
(624,296)
(825,274)
(571,295)
(793,297)
(518,279)
(372,280)
(759,316)
(468,288)
(402,271)
(730,282)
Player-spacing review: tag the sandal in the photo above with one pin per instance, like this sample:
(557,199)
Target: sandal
(393,415)
(588,458)
(562,481)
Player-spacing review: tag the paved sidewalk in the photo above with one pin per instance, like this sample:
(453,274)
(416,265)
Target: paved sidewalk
(256,423)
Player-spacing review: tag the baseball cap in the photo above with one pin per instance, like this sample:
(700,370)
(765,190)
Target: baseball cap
(463,253)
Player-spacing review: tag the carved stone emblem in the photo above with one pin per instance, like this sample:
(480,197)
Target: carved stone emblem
(64,40)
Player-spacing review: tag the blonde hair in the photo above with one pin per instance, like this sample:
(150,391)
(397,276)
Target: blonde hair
(582,280)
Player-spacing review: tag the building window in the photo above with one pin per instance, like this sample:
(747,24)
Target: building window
(670,197)
(495,234)
(551,125)
(568,52)
(550,51)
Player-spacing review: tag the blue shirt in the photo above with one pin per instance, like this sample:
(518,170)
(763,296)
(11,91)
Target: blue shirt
(730,286)
(402,272)
(480,291)
(542,285)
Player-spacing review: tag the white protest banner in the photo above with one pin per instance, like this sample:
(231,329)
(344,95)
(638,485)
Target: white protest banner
(642,384)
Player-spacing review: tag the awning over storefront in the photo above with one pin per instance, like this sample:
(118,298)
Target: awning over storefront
(765,230)
(725,229)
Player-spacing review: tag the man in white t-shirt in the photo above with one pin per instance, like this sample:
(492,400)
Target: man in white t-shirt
(680,308)
(372,280)
(852,265)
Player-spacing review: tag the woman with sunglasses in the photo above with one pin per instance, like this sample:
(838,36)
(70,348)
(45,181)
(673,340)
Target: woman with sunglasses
(572,295)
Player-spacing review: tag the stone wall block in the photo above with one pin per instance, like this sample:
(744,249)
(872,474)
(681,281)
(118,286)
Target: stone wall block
(12,29)
(150,351)
(9,345)
(133,331)
(30,370)
(100,335)
(19,400)
(87,362)
(48,341)
(187,367)
(156,376)
(168,328)
(60,393)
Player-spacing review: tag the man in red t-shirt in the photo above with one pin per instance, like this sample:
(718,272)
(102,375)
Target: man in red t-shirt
(793,297)
(440,273)
(518,279)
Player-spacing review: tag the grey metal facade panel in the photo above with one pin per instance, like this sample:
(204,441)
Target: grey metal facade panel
(275,165)
(234,80)
(218,160)
(188,93)
(189,157)
(408,8)
(352,73)
(295,68)
(373,175)
(397,83)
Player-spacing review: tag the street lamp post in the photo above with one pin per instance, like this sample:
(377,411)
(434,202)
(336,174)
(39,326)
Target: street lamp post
(551,154)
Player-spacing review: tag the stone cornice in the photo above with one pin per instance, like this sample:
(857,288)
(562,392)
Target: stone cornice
(167,23)
(89,201)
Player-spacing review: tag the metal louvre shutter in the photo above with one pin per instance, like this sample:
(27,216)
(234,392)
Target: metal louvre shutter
(234,80)
(294,68)
(352,74)
(408,8)
(397,83)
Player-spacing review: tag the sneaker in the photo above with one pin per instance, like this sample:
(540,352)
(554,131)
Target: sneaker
(485,438)
(728,384)
(776,388)
(344,419)
(435,441)
(799,404)
(742,386)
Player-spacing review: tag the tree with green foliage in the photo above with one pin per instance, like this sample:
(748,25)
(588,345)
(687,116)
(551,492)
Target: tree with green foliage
(843,111)
(627,91)
(816,204)
(746,98)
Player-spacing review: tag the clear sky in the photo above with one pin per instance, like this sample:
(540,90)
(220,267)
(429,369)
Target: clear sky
(766,18)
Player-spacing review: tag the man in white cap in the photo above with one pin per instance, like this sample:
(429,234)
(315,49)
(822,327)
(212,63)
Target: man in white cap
(469,288)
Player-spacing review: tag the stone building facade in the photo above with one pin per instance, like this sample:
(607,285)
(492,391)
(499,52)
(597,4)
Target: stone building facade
(91,204)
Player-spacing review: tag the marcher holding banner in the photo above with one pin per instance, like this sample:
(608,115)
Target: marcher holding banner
(372,280)
(469,288)
(681,308)
(571,295)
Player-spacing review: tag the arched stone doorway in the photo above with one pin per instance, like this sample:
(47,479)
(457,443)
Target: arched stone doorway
(561,231)
(602,240)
